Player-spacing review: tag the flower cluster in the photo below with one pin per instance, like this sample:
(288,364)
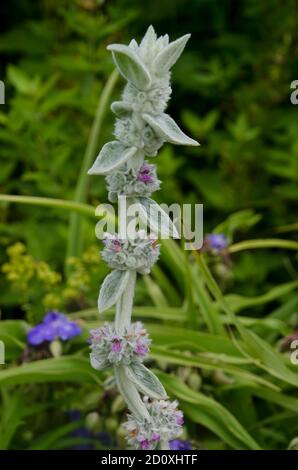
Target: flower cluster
(165,423)
(130,135)
(152,101)
(55,325)
(110,349)
(138,254)
(142,126)
(132,183)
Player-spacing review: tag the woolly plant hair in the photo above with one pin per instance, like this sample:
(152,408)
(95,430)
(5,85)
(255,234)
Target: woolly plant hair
(141,128)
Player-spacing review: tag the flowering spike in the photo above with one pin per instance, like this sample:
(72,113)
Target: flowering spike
(141,129)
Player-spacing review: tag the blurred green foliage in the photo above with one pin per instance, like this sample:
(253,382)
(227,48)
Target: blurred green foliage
(232,94)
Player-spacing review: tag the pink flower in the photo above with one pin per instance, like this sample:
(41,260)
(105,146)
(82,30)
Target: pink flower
(116,345)
(141,349)
(179,418)
(144,443)
(145,174)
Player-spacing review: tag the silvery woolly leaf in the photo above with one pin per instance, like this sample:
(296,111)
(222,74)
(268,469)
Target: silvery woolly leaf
(167,57)
(112,288)
(145,381)
(130,66)
(95,363)
(157,219)
(148,41)
(120,108)
(130,394)
(167,128)
(112,155)
(133,45)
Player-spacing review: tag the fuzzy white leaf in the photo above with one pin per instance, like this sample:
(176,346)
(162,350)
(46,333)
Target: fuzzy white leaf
(120,108)
(157,219)
(130,66)
(167,57)
(112,155)
(167,128)
(149,37)
(148,42)
(130,394)
(95,363)
(145,381)
(112,288)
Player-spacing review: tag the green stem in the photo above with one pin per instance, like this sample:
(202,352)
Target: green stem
(213,287)
(61,204)
(74,233)
(264,243)
(164,445)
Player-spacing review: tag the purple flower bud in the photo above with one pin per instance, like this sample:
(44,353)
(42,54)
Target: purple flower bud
(141,349)
(179,419)
(116,345)
(144,443)
(216,241)
(145,174)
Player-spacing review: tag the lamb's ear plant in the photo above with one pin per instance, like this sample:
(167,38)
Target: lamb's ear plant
(141,129)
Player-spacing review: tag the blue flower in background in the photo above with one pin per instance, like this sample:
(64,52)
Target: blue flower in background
(177,444)
(55,325)
(216,241)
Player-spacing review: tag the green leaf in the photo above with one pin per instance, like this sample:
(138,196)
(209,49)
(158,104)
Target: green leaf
(209,362)
(112,289)
(167,128)
(209,413)
(59,369)
(13,334)
(208,309)
(167,57)
(257,349)
(22,82)
(193,340)
(112,155)
(267,357)
(157,296)
(130,66)
(238,302)
(145,381)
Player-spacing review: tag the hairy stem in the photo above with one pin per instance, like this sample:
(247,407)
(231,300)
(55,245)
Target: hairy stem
(124,305)
(164,445)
